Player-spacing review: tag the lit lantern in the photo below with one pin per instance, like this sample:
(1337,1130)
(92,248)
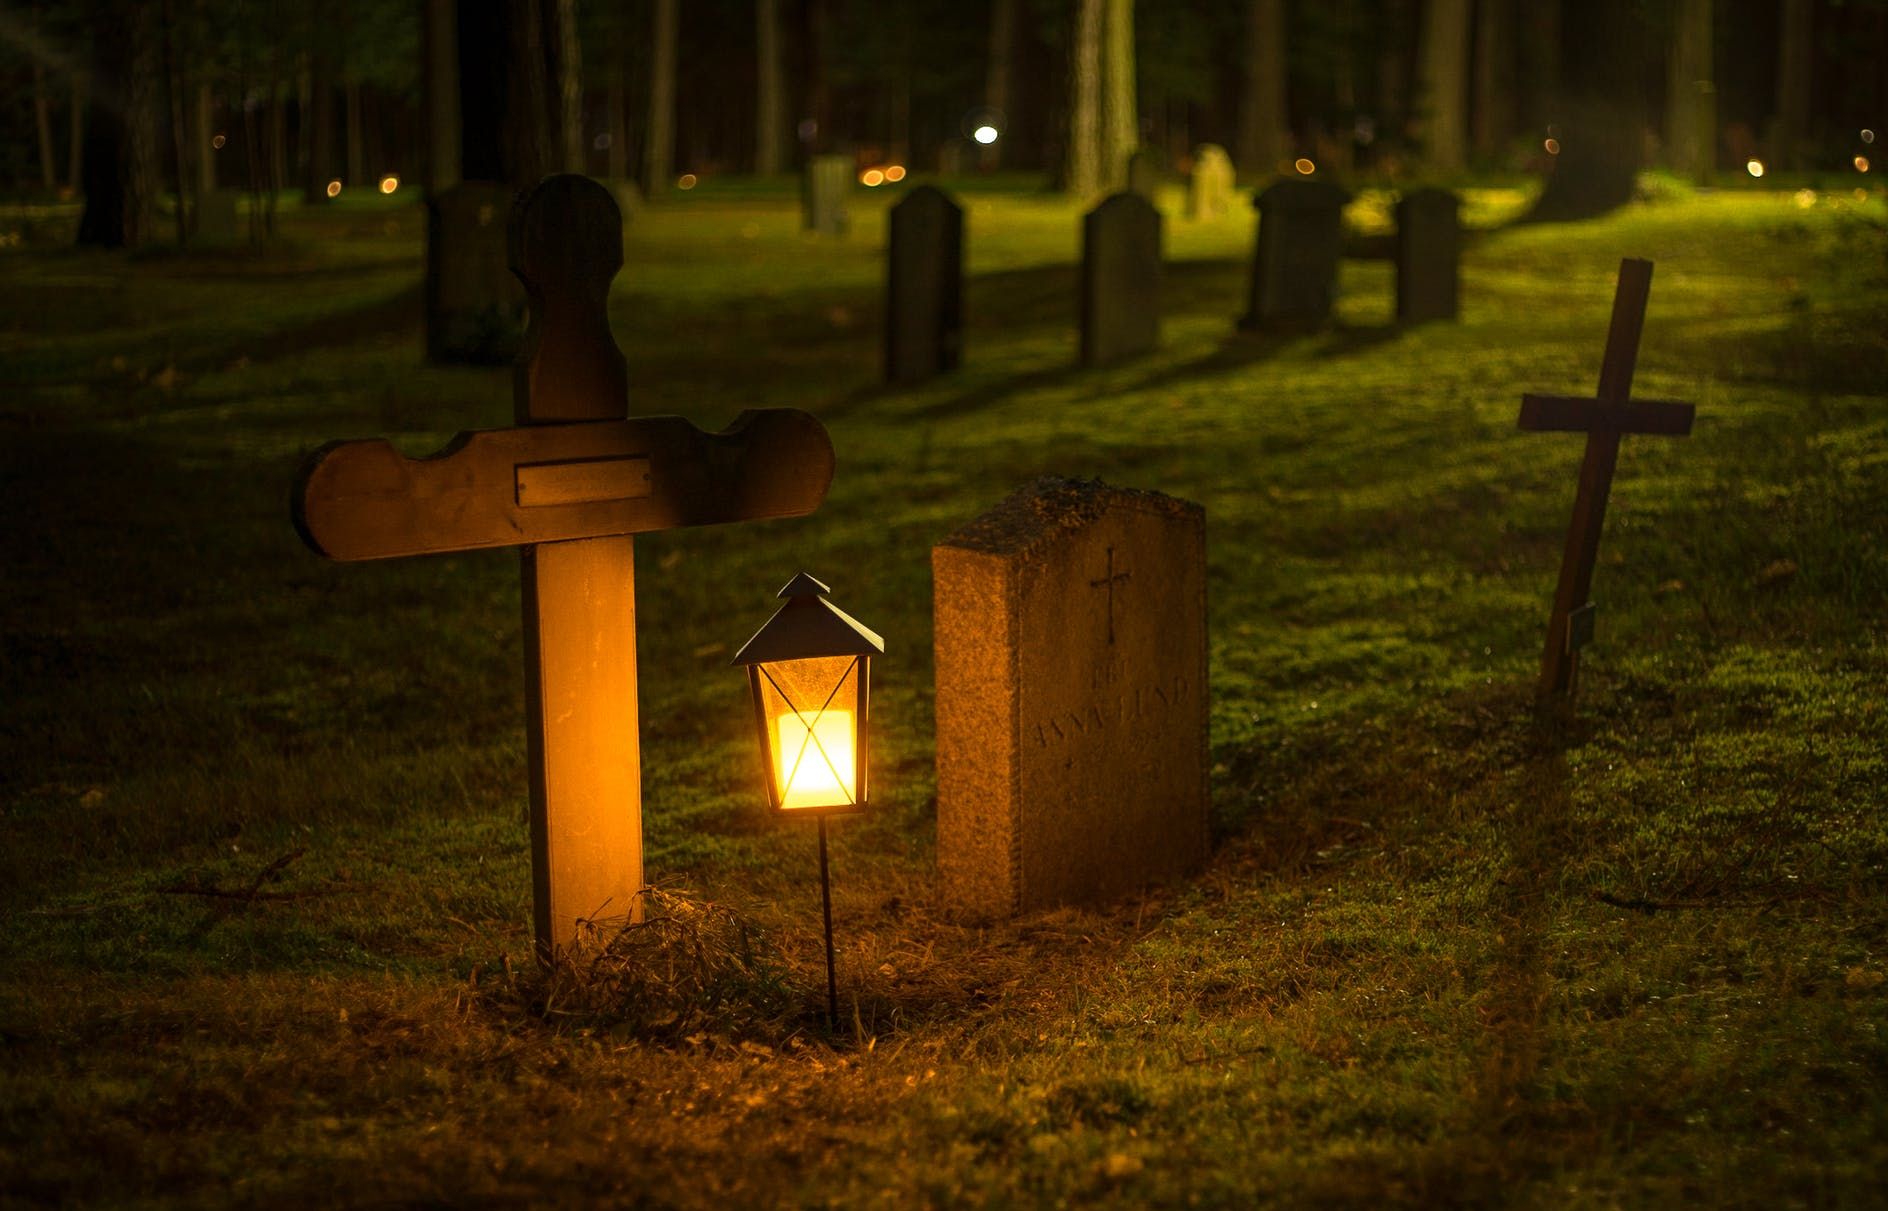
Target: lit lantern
(810,671)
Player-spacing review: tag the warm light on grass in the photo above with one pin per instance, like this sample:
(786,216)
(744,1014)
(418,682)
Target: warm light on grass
(816,768)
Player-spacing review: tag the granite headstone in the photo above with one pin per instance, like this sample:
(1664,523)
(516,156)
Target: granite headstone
(1428,255)
(475,307)
(1294,263)
(823,192)
(1210,184)
(924,286)
(1120,279)
(1071,697)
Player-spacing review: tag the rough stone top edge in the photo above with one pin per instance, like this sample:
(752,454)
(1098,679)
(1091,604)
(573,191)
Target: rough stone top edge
(1052,504)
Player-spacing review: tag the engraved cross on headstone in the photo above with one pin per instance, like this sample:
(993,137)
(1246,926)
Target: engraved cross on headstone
(1604,420)
(1109,581)
(568,487)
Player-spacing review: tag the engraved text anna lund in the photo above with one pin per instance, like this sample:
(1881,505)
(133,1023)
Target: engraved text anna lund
(1128,708)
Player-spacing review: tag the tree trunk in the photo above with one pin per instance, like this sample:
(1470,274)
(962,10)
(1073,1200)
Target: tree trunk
(1601,132)
(319,123)
(659,148)
(1082,176)
(356,151)
(530,106)
(996,78)
(568,70)
(618,164)
(174,98)
(205,134)
(42,121)
(1795,63)
(75,135)
(278,147)
(439,66)
(1539,59)
(1121,127)
(1494,77)
(819,93)
(769,97)
(1442,82)
(1691,94)
(118,159)
(1263,137)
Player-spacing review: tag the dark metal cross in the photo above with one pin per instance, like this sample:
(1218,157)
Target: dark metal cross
(1604,420)
(1109,581)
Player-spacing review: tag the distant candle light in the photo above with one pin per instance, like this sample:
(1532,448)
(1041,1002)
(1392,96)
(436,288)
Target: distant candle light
(985,135)
(685,181)
(1754,167)
(1552,146)
(1868,136)
(871,178)
(218,142)
(1305,167)
(1861,163)
(894,172)
(334,188)
(389,183)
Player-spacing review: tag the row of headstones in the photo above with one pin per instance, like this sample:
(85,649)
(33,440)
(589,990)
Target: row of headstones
(1294,271)
(826,183)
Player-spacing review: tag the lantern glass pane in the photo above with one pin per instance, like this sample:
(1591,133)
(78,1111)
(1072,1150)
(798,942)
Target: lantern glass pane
(811,719)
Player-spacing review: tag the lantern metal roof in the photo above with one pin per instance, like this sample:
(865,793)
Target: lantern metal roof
(808,626)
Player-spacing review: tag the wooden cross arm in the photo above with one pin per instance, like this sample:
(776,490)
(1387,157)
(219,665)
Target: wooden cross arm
(1572,413)
(547,483)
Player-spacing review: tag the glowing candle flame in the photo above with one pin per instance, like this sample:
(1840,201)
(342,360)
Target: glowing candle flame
(1754,167)
(334,189)
(815,767)
(389,183)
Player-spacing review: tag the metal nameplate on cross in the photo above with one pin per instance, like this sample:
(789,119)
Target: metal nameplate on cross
(568,487)
(1605,420)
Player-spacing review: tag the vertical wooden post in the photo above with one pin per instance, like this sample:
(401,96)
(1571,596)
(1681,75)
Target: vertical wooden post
(1560,660)
(579,596)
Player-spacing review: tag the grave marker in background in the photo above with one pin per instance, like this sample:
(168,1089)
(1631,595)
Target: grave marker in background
(1120,279)
(214,214)
(1604,420)
(924,285)
(568,487)
(1210,185)
(1294,260)
(824,187)
(474,304)
(1144,173)
(1071,696)
(1428,255)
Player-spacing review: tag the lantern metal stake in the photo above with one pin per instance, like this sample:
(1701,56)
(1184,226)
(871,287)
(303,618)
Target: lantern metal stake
(809,669)
(826,909)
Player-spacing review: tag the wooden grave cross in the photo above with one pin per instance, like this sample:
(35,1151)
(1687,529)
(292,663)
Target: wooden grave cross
(1604,420)
(568,487)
